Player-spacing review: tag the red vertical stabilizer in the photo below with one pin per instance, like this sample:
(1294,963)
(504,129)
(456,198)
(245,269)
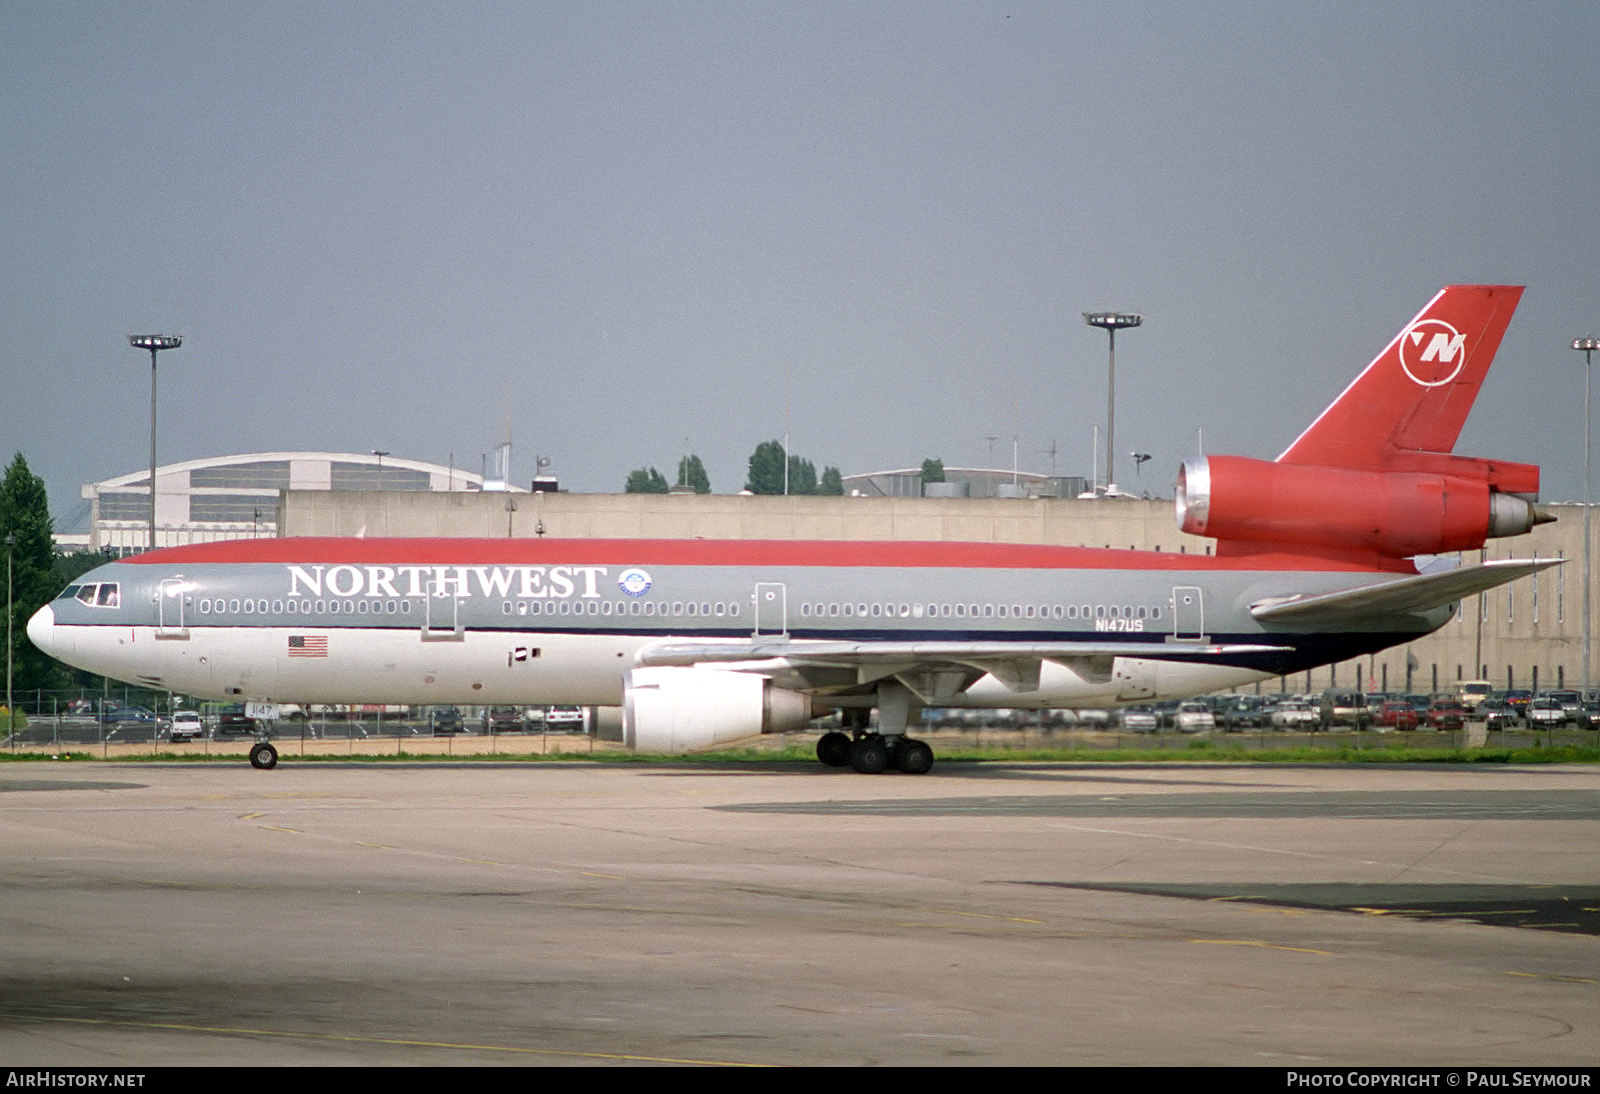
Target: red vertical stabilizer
(1416,395)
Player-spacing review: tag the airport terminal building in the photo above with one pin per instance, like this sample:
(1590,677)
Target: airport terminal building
(237,497)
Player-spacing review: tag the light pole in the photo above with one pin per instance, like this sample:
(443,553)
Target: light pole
(1587,346)
(1111,322)
(380,456)
(155,343)
(11,717)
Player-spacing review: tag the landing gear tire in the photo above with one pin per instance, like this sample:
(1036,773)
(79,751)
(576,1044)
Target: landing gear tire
(913,757)
(263,756)
(869,755)
(833,749)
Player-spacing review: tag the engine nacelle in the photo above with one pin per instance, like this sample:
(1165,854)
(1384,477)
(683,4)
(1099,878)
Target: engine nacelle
(685,709)
(1392,513)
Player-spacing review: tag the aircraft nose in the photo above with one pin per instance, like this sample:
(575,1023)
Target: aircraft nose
(42,630)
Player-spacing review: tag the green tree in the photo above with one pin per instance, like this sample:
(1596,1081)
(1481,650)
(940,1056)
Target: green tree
(932,471)
(766,469)
(25,514)
(646,481)
(766,473)
(802,476)
(691,472)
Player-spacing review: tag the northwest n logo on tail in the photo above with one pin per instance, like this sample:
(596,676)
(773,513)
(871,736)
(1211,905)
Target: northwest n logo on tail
(1442,348)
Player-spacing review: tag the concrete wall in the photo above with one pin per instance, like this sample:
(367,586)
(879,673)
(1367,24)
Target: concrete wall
(1141,525)
(1533,626)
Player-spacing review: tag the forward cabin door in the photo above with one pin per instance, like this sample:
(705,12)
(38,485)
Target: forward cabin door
(170,599)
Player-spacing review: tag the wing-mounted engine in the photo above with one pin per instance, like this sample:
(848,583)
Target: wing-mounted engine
(686,709)
(1253,505)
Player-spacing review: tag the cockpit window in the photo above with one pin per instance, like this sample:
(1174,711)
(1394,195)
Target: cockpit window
(107,594)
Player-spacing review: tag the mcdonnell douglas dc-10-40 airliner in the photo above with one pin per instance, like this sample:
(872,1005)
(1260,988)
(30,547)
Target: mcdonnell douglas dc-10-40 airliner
(703,642)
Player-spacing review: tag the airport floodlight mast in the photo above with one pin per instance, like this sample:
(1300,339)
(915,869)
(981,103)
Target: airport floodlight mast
(1111,322)
(1587,346)
(155,343)
(11,718)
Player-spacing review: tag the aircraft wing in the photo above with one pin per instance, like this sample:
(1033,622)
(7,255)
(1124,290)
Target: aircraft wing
(837,654)
(1405,596)
(938,668)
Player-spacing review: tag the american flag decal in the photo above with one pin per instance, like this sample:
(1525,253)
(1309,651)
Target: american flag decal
(308,645)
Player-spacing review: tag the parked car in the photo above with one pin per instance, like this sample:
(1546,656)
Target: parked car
(120,715)
(1397,715)
(1445,714)
(233,719)
(1244,712)
(1195,717)
(1294,715)
(1570,702)
(566,719)
(502,720)
(446,720)
(1141,719)
(1343,707)
(1547,713)
(186,726)
(1498,714)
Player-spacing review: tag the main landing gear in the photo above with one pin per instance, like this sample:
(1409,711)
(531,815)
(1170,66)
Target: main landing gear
(871,753)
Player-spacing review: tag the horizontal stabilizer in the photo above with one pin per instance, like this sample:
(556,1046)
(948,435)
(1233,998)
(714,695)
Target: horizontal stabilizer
(1408,595)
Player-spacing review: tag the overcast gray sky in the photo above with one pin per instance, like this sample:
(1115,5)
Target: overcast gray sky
(380,224)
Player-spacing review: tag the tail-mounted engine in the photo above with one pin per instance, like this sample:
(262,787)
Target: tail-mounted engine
(684,709)
(1430,504)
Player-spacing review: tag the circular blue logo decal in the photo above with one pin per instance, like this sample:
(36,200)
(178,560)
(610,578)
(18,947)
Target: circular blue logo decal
(634,582)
